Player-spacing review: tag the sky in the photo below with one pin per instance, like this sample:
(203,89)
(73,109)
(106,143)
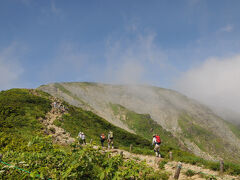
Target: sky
(192,46)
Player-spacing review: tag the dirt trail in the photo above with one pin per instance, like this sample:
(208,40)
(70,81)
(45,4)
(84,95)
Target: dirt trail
(59,134)
(206,173)
(170,167)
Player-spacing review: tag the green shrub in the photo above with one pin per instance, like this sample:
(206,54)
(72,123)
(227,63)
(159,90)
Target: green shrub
(52,129)
(57,123)
(162,164)
(45,160)
(190,173)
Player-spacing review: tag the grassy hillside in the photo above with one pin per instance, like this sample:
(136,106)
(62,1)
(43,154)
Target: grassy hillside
(205,139)
(234,128)
(19,111)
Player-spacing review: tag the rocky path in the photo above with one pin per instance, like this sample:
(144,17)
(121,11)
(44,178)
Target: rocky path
(170,167)
(59,134)
(200,172)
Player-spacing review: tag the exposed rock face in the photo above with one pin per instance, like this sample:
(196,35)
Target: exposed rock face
(166,107)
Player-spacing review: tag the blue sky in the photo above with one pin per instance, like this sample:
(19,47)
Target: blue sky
(156,42)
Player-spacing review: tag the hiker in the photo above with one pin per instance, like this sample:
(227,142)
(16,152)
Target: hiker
(79,137)
(110,139)
(102,139)
(83,138)
(54,104)
(62,108)
(156,141)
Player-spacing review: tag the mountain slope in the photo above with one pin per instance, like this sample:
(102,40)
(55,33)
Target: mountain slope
(24,143)
(187,120)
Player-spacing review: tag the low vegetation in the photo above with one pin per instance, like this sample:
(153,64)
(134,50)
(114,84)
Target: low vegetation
(190,173)
(19,114)
(44,160)
(234,128)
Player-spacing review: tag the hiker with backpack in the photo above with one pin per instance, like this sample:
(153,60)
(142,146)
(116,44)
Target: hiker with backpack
(156,141)
(79,137)
(102,139)
(83,138)
(110,139)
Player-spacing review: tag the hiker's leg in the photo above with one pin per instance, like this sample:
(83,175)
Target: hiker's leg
(112,144)
(156,150)
(159,155)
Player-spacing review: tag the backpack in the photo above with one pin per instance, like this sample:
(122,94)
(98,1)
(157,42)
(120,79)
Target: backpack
(103,136)
(79,134)
(111,134)
(158,140)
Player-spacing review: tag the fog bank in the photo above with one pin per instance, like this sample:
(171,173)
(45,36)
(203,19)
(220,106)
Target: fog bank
(215,83)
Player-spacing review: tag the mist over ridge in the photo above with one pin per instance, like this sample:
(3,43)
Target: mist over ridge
(216,83)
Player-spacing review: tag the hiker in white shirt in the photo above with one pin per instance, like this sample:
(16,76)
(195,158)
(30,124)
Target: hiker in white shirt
(83,138)
(79,137)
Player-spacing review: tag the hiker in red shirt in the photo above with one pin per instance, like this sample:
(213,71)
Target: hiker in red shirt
(102,139)
(156,141)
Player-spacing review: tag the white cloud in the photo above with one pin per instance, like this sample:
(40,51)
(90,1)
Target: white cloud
(131,60)
(216,83)
(228,28)
(10,69)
